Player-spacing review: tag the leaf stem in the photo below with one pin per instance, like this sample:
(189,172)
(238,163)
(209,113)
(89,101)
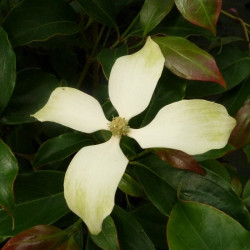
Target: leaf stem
(90,59)
(243,24)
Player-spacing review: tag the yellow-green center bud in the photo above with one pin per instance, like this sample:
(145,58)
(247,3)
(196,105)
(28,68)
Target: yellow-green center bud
(118,126)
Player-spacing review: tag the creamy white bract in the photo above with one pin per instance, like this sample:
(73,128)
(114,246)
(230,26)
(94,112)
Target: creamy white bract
(193,126)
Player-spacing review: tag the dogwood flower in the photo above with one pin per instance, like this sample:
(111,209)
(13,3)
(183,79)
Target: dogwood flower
(91,180)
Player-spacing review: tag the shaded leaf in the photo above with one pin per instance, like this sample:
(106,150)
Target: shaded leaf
(102,11)
(130,186)
(153,222)
(203,13)
(241,133)
(32,91)
(153,12)
(246,194)
(188,61)
(130,233)
(8,173)
(162,195)
(61,147)
(8,70)
(203,227)
(107,58)
(107,239)
(34,20)
(41,237)
(180,160)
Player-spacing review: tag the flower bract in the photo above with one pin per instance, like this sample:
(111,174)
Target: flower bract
(91,180)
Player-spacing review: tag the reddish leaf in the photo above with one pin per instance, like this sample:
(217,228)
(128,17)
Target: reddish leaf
(203,13)
(41,237)
(241,133)
(181,160)
(188,61)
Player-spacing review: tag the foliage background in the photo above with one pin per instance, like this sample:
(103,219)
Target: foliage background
(166,199)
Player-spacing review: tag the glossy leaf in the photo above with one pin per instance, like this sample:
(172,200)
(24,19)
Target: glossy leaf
(210,189)
(37,195)
(203,227)
(130,233)
(102,11)
(33,20)
(107,58)
(107,239)
(8,173)
(234,65)
(180,160)
(61,147)
(162,195)
(153,12)
(41,237)
(8,70)
(32,91)
(241,134)
(188,61)
(246,194)
(203,13)
(130,186)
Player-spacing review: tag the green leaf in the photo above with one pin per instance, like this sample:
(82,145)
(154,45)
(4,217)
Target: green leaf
(234,65)
(102,11)
(32,91)
(154,224)
(107,239)
(39,184)
(203,13)
(130,233)
(153,12)
(107,58)
(8,70)
(162,195)
(188,61)
(34,20)
(45,210)
(130,186)
(41,237)
(8,173)
(210,189)
(61,147)
(246,194)
(203,227)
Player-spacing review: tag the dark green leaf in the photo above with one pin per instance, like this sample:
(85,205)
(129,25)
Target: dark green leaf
(8,173)
(162,195)
(246,194)
(102,11)
(205,228)
(203,13)
(32,91)
(60,148)
(107,239)
(34,20)
(8,70)
(210,189)
(130,233)
(130,186)
(107,58)
(188,61)
(45,210)
(154,224)
(153,12)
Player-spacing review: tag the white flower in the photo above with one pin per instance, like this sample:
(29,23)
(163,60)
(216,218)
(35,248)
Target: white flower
(193,126)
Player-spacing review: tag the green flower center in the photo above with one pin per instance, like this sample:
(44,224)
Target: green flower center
(118,126)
